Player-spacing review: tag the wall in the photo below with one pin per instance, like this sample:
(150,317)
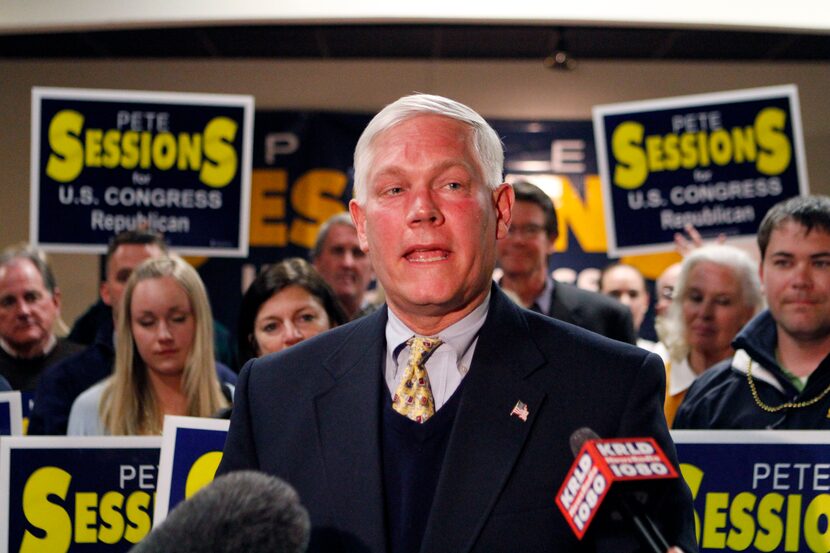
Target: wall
(496,89)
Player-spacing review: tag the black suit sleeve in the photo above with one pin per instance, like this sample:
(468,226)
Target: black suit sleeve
(671,506)
(240,451)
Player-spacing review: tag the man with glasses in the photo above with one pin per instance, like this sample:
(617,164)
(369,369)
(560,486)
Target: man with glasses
(524,257)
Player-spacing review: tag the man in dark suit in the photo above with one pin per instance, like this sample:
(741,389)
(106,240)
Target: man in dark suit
(441,423)
(523,256)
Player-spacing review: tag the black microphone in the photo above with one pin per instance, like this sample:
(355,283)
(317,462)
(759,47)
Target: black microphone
(596,468)
(240,511)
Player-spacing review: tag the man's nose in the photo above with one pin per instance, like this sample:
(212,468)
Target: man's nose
(24,308)
(423,208)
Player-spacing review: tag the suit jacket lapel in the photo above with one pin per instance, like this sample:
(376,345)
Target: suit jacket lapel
(348,416)
(486,438)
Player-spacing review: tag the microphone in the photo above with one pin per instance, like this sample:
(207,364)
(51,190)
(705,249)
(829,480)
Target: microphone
(598,464)
(240,511)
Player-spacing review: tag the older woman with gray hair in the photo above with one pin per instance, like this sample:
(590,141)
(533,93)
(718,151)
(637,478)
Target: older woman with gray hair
(717,293)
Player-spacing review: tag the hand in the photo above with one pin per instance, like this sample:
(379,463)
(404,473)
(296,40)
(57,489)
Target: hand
(685,246)
(674,549)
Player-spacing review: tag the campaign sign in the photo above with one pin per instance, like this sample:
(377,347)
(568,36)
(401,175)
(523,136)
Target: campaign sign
(758,490)
(716,161)
(64,493)
(11,414)
(191,450)
(105,161)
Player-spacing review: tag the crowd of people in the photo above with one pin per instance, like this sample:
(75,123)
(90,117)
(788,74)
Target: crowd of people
(399,304)
(710,312)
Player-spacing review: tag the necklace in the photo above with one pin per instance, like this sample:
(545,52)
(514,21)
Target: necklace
(787,405)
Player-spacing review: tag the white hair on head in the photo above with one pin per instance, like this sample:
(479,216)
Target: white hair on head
(744,270)
(486,142)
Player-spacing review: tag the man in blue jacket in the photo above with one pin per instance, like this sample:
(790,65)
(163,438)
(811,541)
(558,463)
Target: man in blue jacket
(779,376)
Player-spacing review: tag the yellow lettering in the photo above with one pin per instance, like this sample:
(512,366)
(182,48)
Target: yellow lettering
(776,150)
(86,517)
(586,219)
(111,518)
(202,472)
(714,520)
(129,150)
(112,151)
(164,151)
(744,144)
(720,147)
(190,151)
(138,517)
(694,478)
(791,541)
(702,148)
(654,152)
(689,151)
(671,152)
(145,150)
(92,149)
(816,517)
(312,198)
(267,225)
(740,535)
(52,519)
(770,526)
(631,169)
(220,157)
(67,158)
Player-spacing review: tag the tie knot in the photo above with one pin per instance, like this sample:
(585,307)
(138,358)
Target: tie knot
(421,347)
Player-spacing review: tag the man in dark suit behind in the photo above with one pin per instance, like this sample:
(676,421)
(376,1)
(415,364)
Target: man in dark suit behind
(524,254)
(472,463)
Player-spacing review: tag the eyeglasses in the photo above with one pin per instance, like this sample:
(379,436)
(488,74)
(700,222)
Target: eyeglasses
(530,230)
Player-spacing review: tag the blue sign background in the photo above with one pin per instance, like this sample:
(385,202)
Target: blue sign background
(191,443)
(91,470)
(65,214)
(728,514)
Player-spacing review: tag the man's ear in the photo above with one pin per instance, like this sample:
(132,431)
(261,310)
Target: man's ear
(503,198)
(56,298)
(104,292)
(359,220)
(552,243)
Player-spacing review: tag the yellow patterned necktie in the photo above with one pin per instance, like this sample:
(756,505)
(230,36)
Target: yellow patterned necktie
(413,398)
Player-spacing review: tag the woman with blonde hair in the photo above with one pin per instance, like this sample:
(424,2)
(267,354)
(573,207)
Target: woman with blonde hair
(164,360)
(718,291)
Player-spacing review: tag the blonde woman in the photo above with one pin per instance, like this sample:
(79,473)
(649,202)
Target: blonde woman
(164,362)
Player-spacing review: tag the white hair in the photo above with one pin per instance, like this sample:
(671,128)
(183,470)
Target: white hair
(744,269)
(486,142)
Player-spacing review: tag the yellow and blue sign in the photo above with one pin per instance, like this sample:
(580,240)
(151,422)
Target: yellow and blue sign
(716,161)
(61,494)
(758,490)
(105,161)
(11,414)
(190,454)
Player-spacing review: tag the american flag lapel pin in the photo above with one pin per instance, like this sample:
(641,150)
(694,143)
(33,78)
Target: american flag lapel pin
(520,410)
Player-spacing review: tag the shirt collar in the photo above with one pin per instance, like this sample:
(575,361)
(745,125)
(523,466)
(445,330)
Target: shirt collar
(459,335)
(681,376)
(544,298)
(46,351)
